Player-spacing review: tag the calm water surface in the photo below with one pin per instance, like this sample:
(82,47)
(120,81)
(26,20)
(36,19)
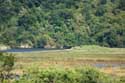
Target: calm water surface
(29,49)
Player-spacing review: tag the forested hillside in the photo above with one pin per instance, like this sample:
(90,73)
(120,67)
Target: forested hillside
(62,23)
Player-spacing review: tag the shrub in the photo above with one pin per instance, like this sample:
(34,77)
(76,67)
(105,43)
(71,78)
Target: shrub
(55,75)
(6,65)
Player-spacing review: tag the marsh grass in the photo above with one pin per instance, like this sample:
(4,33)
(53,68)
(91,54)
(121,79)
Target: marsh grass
(71,58)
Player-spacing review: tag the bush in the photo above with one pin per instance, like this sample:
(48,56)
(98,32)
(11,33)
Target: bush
(83,75)
(6,65)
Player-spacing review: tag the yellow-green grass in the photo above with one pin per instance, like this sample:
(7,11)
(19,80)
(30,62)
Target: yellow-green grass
(85,52)
(71,58)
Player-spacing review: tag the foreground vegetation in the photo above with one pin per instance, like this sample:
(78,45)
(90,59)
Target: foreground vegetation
(55,75)
(64,66)
(6,65)
(62,23)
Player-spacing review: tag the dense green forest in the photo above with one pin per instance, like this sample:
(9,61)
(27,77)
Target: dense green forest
(62,23)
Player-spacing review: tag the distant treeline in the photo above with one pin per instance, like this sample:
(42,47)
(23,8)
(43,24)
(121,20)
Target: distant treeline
(62,23)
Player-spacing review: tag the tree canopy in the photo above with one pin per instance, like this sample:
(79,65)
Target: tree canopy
(62,23)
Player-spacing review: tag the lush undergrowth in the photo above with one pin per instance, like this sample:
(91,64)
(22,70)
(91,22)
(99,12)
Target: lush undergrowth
(58,75)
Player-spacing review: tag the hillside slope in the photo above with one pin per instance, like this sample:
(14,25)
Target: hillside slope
(62,23)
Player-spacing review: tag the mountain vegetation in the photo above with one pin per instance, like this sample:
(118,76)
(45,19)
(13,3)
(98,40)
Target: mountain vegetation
(62,23)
